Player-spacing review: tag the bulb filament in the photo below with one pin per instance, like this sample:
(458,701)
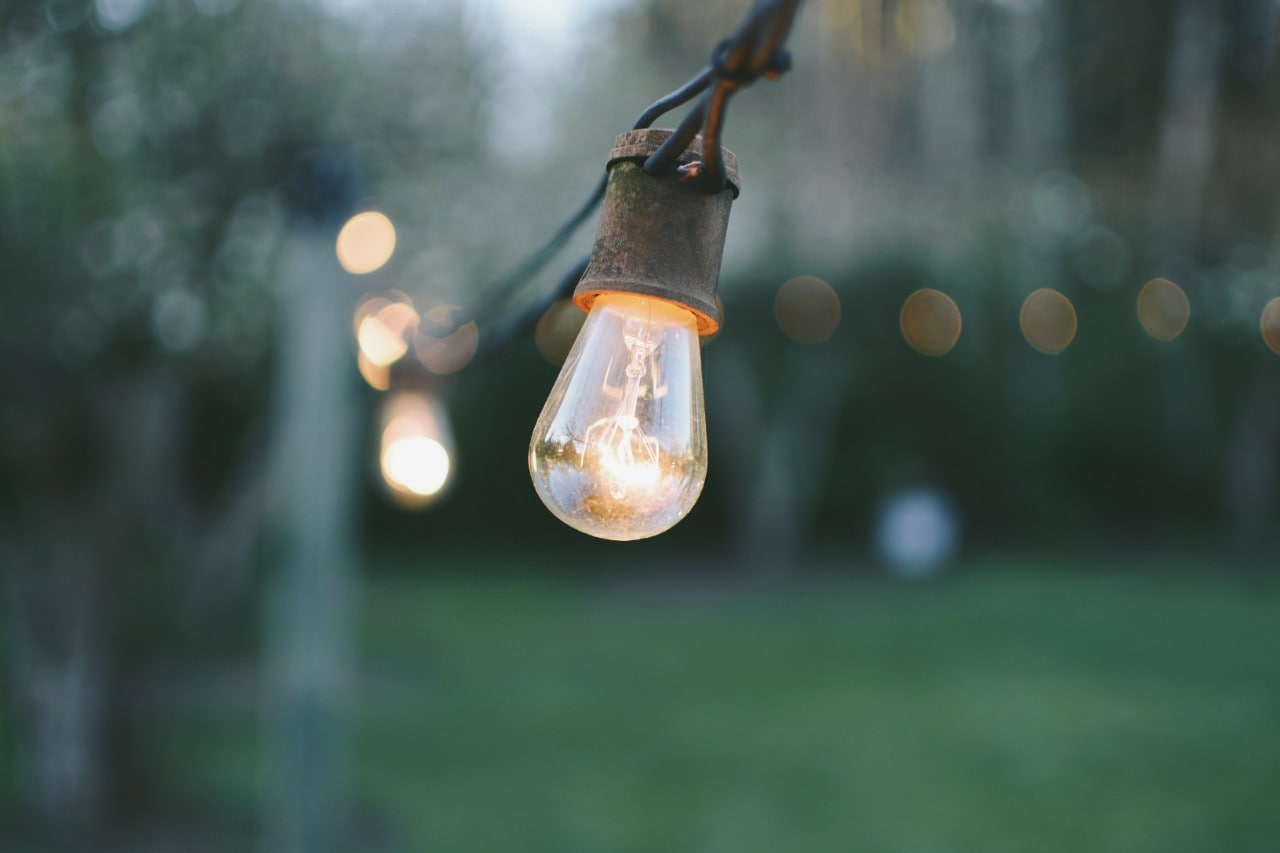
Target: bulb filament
(627,454)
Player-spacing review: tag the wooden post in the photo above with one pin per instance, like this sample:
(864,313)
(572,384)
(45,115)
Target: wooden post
(309,610)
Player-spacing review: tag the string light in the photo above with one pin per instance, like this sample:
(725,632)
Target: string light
(1048,321)
(416,448)
(930,322)
(620,449)
(807,310)
(1270,325)
(1163,309)
(366,242)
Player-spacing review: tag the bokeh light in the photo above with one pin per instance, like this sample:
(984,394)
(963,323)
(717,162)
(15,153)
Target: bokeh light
(917,532)
(1048,321)
(384,335)
(1060,203)
(366,242)
(1163,309)
(441,348)
(1271,325)
(557,330)
(377,375)
(417,448)
(179,320)
(417,463)
(1101,258)
(367,308)
(807,310)
(119,15)
(930,322)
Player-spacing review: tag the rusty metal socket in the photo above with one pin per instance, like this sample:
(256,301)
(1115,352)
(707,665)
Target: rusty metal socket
(658,235)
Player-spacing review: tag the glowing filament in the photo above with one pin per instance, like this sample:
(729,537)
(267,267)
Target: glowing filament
(619,451)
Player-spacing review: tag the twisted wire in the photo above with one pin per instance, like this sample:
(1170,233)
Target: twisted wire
(755,50)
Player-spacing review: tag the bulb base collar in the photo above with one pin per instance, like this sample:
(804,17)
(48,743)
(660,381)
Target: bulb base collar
(659,236)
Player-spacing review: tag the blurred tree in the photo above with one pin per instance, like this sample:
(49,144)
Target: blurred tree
(144,150)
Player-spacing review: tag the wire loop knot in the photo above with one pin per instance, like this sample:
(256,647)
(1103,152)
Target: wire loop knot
(730,78)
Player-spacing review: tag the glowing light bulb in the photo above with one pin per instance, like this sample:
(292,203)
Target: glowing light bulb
(620,450)
(417,448)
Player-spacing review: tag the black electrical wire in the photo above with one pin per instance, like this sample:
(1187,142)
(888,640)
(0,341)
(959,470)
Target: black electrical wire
(696,85)
(517,327)
(753,51)
(502,290)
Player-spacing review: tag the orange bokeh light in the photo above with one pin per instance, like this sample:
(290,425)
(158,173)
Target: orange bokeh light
(1163,309)
(1048,321)
(930,322)
(807,310)
(366,242)
(557,330)
(1270,325)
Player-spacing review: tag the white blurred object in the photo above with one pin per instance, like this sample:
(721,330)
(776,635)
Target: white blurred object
(917,532)
(179,320)
(417,448)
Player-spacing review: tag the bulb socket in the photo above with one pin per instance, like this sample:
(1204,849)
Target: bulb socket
(659,236)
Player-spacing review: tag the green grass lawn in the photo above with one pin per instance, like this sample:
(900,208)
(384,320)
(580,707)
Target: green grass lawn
(994,711)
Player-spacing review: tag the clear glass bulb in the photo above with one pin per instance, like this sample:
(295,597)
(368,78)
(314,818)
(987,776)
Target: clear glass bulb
(620,449)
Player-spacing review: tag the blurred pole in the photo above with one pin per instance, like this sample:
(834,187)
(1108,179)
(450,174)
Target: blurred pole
(58,654)
(309,609)
(952,108)
(1250,464)
(1188,135)
(779,460)
(1031,49)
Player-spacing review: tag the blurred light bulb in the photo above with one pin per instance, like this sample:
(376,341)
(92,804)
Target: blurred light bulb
(417,448)
(418,463)
(620,449)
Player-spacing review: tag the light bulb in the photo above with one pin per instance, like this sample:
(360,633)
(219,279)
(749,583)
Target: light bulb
(620,449)
(417,448)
